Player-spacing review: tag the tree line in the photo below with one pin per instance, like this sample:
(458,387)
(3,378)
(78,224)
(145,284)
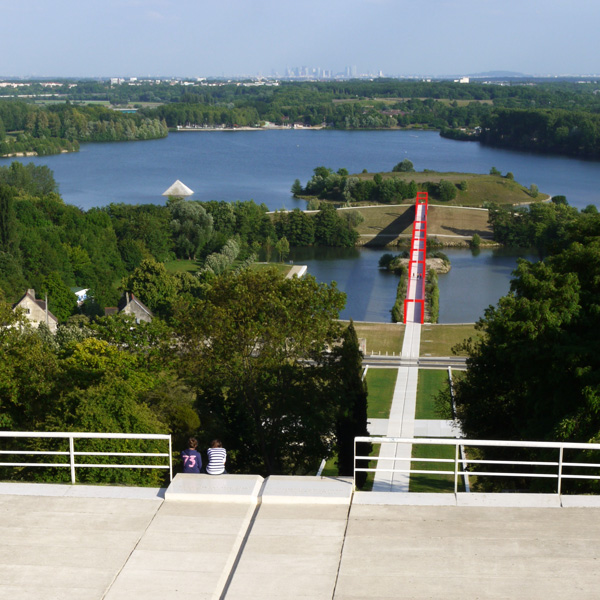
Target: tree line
(51,246)
(257,360)
(49,130)
(533,374)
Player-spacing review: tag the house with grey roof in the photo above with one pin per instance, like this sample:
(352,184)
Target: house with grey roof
(131,305)
(36,311)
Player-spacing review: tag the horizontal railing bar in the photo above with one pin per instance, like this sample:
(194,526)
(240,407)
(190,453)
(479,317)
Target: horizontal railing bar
(119,454)
(85,435)
(477,474)
(514,462)
(36,452)
(478,443)
(502,474)
(399,458)
(410,471)
(591,465)
(90,466)
(35,464)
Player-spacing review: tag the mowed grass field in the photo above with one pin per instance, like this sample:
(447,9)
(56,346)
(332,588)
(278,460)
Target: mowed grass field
(381,337)
(430,382)
(397,221)
(380,385)
(439,340)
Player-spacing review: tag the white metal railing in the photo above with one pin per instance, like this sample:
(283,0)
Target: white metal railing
(459,465)
(72,453)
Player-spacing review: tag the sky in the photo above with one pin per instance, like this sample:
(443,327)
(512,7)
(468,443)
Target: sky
(200,38)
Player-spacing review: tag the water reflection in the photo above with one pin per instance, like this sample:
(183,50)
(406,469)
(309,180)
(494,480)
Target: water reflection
(476,280)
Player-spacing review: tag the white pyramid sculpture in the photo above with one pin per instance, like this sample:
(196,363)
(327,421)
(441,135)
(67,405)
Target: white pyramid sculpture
(179,190)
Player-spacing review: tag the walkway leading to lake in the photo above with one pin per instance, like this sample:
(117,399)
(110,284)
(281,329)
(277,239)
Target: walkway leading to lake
(402,413)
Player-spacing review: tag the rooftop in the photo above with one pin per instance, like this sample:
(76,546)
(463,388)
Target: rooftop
(242,537)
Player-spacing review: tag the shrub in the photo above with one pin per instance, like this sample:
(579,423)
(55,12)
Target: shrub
(404,166)
(447,190)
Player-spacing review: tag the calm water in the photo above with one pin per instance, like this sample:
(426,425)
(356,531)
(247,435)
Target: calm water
(262,165)
(475,281)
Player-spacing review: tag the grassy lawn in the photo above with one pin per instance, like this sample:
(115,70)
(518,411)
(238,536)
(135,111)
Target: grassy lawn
(430,382)
(441,220)
(480,188)
(283,268)
(181,266)
(380,383)
(331,470)
(454,220)
(433,483)
(381,337)
(438,340)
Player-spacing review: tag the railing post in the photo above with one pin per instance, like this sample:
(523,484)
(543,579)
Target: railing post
(170,460)
(560,464)
(72,457)
(354,469)
(456,468)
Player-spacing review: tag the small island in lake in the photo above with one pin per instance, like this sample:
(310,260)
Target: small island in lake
(458,202)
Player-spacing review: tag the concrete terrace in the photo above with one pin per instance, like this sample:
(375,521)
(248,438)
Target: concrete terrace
(239,537)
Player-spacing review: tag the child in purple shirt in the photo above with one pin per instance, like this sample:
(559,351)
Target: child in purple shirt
(192,461)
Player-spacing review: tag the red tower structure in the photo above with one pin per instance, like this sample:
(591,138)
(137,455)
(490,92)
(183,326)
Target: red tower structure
(414,304)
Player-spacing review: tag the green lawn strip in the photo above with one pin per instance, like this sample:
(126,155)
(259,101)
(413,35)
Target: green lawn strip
(181,266)
(381,337)
(283,268)
(430,382)
(330,469)
(433,483)
(438,340)
(380,383)
(368,486)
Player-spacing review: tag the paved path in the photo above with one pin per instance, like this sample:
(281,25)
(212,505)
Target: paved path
(402,413)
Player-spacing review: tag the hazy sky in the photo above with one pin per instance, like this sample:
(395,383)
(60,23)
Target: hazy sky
(227,37)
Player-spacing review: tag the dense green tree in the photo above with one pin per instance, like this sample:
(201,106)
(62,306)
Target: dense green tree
(263,382)
(404,166)
(191,227)
(533,375)
(283,248)
(62,302)
(447,190)
(352,419)
(297,188)
(27,371)
(153,285)
(331,229)
(8,220)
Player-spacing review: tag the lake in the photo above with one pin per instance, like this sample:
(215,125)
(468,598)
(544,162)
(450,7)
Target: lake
(262,165)
(476,280)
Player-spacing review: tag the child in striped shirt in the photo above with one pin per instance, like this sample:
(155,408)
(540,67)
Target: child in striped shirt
(217,455)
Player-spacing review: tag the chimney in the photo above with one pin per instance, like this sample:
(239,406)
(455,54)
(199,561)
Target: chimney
(31,293)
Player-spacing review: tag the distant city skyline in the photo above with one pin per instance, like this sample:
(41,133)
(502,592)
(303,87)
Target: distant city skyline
(195,38)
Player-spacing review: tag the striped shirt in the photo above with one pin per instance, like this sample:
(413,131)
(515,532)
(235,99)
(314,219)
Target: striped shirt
(216,461)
